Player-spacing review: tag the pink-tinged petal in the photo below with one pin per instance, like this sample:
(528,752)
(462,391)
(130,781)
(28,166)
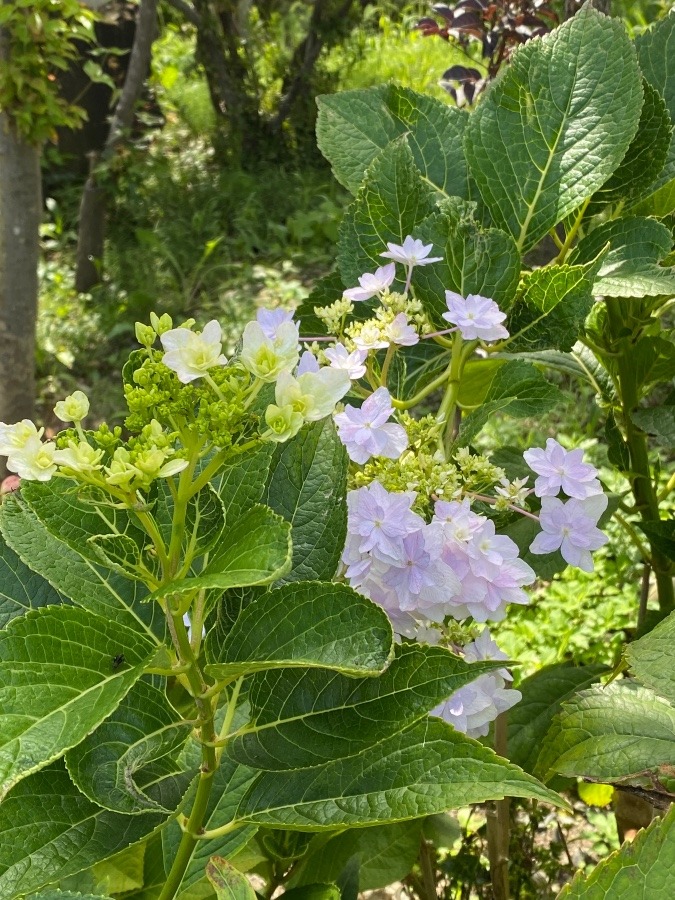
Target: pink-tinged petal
(545,543)
(576,556)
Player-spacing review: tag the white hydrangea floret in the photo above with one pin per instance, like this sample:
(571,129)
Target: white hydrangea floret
(265,357)
(190,354)
(74,408)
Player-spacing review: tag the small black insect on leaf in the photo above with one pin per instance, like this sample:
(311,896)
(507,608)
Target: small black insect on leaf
(118,661)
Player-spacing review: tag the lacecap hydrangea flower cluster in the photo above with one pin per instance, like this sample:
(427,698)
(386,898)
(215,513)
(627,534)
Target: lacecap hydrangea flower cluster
(419,548)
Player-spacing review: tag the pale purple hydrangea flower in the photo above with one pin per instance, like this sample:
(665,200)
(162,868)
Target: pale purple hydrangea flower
(381,518)
(366,432)
(270,320)
(308,363)
(352,363)
(401,332)
(372,283)
(471,708)
(411,253)
(558,469)
(478,318)
(571,527)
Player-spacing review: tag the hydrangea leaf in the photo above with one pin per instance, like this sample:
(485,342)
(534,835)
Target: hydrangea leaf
(49,830)
(386,854)
(307,487)
(129,764)
(231,782)
(255,550)
(631,267)
(659,421)
(87,584)
(550,308)
(390,205)
(475,260)
(307,717)
(353,127)
(609,733)
(644,867)
(518,389)
(240,483)
(228,883)
(56,894)
(66,511)
(204,517)
(58,682)
(427,768)
(555,125)
(305,624)
(647,655)
(21,589)
(655,51)
(543,693)
(644,159)
(119,874)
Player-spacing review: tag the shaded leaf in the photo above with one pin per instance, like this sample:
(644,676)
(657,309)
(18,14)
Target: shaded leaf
(21,589)
(649,656)
(228,883)
(543,693)
(307,486)
(129,764)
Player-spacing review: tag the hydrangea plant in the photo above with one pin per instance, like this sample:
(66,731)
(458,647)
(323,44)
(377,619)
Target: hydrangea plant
(253,624)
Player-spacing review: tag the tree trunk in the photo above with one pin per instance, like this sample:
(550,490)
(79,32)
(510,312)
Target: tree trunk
(91,231)
(20,215)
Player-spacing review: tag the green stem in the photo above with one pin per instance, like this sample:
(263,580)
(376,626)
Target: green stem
(640,545)
(640,476)
(569,240)
(194,826)
(429,389)
(428,873)
(391,350)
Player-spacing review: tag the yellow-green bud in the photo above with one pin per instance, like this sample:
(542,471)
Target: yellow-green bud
(145,335)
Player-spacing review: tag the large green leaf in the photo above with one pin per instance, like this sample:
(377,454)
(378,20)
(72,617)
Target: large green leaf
(386,853)
(354,126)
(656,51)
(609,733)
(56,894)
(543,693)
(307,717)
(49,830)
(644,159)
(71,515)
(255,550)
(304,624)
(87,584)
(555,125)
(391,204)
(475,260)
(518,389)
(307,485)
(427,768)
(643,869)
(21,589)
(58,681)
(231,782)
(657,420)
(228,883)
(631,267)
(119,874)
(550,309)
(129,764)
(649,658)
(240,483)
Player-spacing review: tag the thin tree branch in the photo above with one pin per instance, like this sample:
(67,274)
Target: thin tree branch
(187,10)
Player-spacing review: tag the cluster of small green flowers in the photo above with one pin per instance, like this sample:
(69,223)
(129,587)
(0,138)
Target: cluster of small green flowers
(335,315)
(421,469)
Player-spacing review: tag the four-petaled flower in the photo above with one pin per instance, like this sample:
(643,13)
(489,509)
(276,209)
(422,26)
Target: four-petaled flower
(411,253)
(477,318)
(401,332)
(352,363)
(372,283)
(365,432)
(571,527)
(558,469)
